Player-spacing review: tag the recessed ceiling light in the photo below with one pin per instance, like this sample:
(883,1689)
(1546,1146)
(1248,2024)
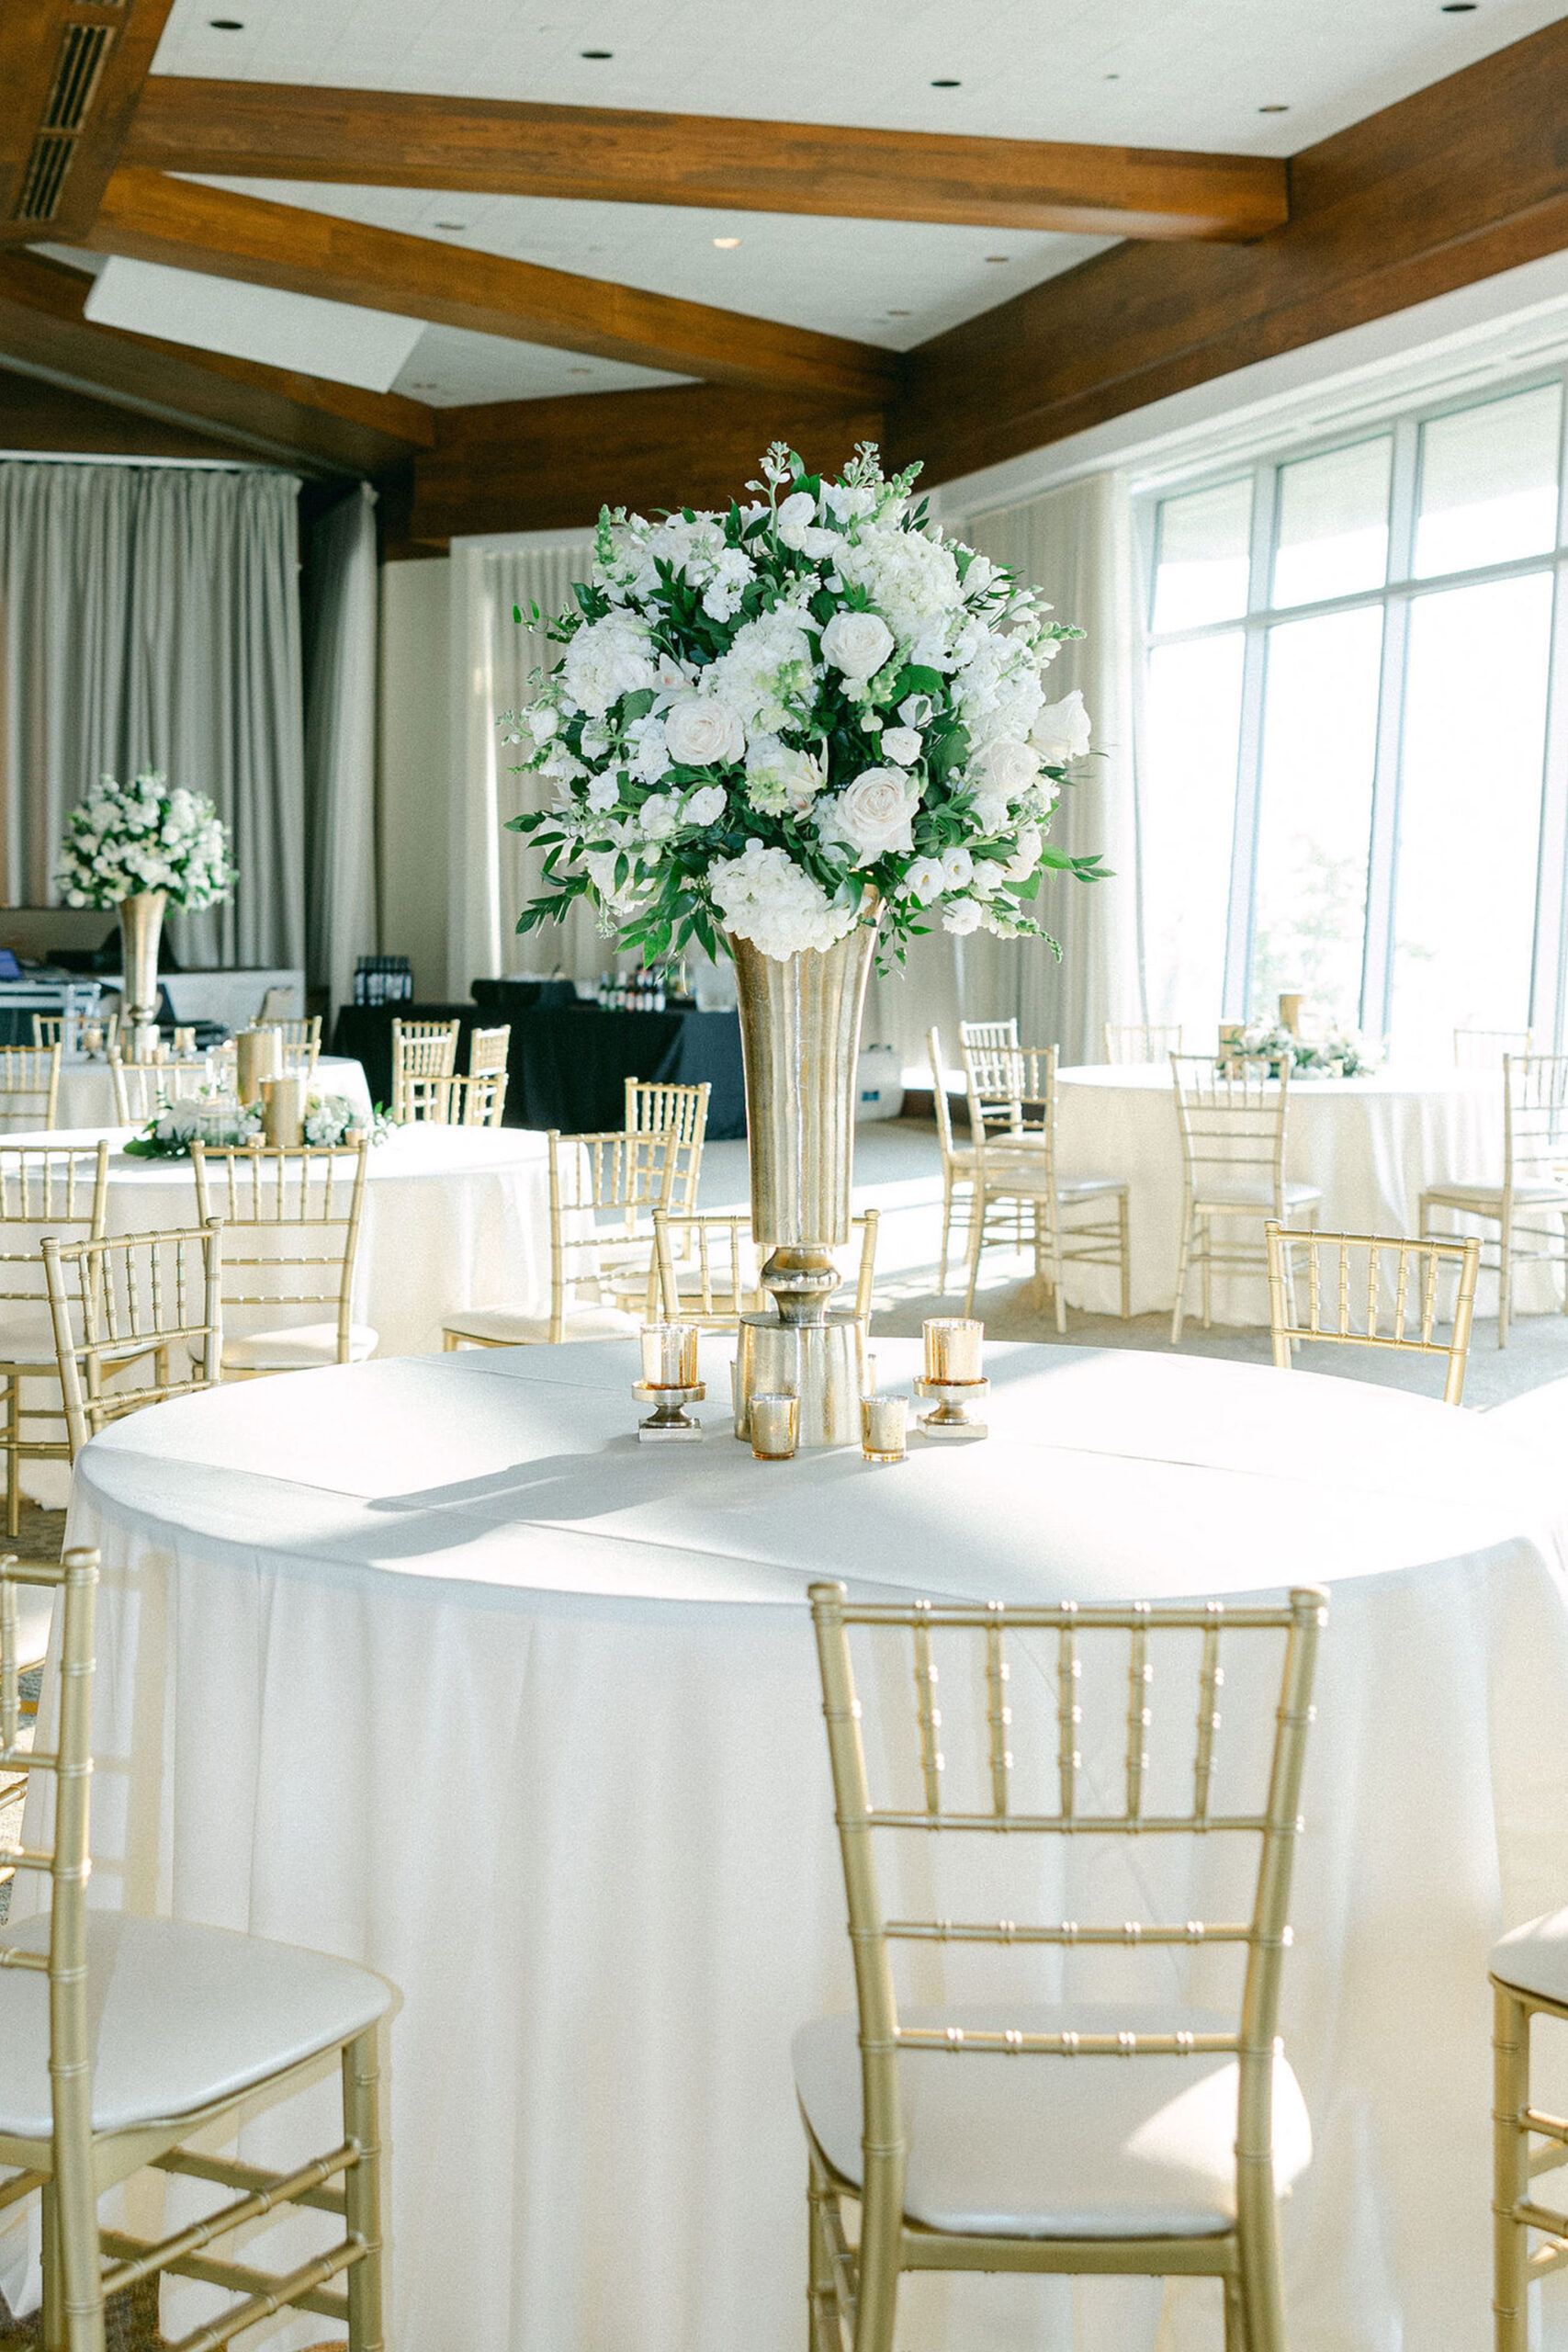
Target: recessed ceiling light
(424,388)
(945,84)
(457,225)
(997,257)
(726,244)
(1113,77)
(226,24)
(1459,7)
(899,315)
(579,371)
(1273,109)
(595,52)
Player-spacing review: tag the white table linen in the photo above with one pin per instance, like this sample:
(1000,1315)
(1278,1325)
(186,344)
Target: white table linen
(87,1090)
(1371,1144)
(428,1664)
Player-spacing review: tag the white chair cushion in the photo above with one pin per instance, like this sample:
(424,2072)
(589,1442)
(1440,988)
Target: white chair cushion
(1488,1198)
(504,1328)
(1535,1957)
(297,1347)
(177,2017)
(1054,2147)
(1012,1179)
(1252,1195)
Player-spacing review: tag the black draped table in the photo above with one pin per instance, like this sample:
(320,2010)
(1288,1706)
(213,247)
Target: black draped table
(568,1063)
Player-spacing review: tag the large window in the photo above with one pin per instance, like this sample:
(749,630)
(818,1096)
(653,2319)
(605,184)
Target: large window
(1354,760)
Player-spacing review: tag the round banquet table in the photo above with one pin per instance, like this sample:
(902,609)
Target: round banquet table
(87,1090)
(1371,1144)
(429,1664)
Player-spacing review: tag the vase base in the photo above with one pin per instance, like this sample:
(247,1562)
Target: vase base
(821,1363)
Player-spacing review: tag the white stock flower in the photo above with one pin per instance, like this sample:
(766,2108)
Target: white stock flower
(923,881)
(733,572)
(1061,730)
(857,643)
(779,780)
(607,659)
(964,916)
(701,731)
(903,745)
(602,792)
(543,721)
(873,815)
(706,805)
(659,816)
(764,896)
(957,869)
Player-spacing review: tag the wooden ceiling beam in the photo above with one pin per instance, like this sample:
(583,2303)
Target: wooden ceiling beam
(149,217)
(301,419)
(1464,179)
(400,139)
(72,72)
(552,464)
(39,413)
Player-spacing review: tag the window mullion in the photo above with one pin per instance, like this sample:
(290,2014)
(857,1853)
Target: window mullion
(1548,966)
(1377,960)
(1249,749)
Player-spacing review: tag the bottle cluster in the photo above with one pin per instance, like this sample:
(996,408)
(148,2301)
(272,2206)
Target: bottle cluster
(639,991)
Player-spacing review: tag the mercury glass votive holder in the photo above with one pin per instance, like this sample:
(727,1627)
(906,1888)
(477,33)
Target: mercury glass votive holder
(258,1056)
(952,1347)
(775,1427)
(669,1355)
(885,1428)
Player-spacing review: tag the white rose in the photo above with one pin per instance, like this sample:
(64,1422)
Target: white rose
(706,805)
(923,881)
(964,916)
(874,815)
(857,643)
(795,515)
(659,816)
(1006,766)
(702,732)
(1026,857)
(1061,731)
(957,869)
(903,745)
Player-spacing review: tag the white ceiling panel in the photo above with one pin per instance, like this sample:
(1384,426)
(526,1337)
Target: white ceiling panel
(337,340)
(1160,72)
(449,367)
(892,282)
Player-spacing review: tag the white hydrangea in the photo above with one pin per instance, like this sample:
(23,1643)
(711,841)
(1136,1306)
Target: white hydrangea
(607,659)
(764,896)
(911,579)
(766,676)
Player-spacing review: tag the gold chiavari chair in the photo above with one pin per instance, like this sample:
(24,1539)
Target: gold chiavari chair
(29,1087)
(1232,1165)
(1168,2160)
(712,1281)
(1016,1169)
(301,1045)
(679,1114)
(958,1159)
(1484,1049)
(134,1303)
(1530,1979)
(1141,1041)
(487,1050)
(291,1220)
(1374,1287)
(44,1188)
(144,2033)
(603,1190)
(47,1027)
(455,1102)
(1535,1178)
(421,1049)
(143,1088)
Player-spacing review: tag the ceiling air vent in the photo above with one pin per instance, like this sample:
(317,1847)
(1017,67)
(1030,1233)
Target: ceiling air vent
(82,51)
(46,167)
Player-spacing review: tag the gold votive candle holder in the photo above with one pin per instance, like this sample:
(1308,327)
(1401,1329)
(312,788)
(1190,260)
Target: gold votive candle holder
(669,1355)
(184,1044)
(258,1056)
(283,1112)
(952,1348)
(774,1424)
(885,1428)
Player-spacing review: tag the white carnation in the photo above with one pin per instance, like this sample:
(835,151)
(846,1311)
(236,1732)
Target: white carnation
(659,816)
(706,805)
(964,916)
(1026,857)
(923,881)
(957,869)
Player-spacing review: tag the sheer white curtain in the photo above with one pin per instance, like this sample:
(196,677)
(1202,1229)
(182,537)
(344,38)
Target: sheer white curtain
(149,617)
(1075,546)
(340,624)
(493,872)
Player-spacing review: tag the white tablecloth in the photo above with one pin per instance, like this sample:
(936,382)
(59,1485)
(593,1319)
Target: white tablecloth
(87,1090)
(429,1664)
(1371,1144)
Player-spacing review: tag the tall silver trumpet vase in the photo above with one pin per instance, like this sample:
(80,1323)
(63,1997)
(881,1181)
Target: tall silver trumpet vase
(800,1026)
(140,925)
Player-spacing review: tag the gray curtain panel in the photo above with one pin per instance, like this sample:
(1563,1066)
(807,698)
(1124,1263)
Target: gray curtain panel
(149,617)
(342,603)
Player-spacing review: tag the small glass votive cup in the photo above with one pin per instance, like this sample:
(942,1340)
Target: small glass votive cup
(885,1428)
(184,1044)
(669,1355)
(775,1427)
(952,1347)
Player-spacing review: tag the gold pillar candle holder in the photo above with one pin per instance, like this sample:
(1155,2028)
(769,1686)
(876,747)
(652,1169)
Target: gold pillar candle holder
(258,1056)
(774,1425)
(1291,1012)
(668,1382)
(283,1112)
(952,1400)
(952,1348)
(885,1428)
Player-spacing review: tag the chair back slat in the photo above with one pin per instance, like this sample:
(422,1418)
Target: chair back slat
(1141,1041)
(680,1114)
(1381,1291)
(291,1219)
(455,1101)
(142,1089)
(421,1049)
(121,1303)
(487,1050)
(1484,1049)
(1229,1121)
(1535,1116)
(705,1269)
(30,1086)
(46,1188)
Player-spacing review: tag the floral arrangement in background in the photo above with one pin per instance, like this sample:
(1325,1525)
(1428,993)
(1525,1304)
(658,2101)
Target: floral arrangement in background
(218,1120)
(761,715)
(1343,1053)
(333,1119)
(125,838)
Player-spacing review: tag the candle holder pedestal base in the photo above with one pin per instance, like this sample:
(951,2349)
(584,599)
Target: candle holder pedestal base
(669,1419)
(953,1398)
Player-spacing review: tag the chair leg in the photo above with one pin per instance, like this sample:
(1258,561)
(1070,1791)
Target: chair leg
(825,2313)
(1057,1282)
(1504,1277)
(13,1455)
(362,2188)
(1124,1250)
(1236,2318)
(946,1229)
(1205,1258)
(1510,2169)
(52,2328)
(977,1207)
(1263,2318)
(1183,1259)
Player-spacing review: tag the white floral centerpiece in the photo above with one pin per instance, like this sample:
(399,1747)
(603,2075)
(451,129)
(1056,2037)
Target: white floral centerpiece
(1344,1053)
(761,715)
(125,839)
(217,1119)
